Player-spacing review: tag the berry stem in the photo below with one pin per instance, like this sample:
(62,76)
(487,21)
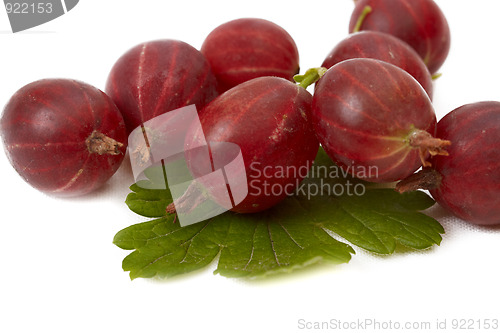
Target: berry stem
(425,179)
(193,197)
(171,209)
(436,76)
(424,141)
(367,10)
(311,76)
(98,143)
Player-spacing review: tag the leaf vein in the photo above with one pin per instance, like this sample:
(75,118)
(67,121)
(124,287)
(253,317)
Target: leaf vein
(380,241)
(289,235)
(161,236)
(190,240)
(153,262)
(406,226)
(253,248)
(272,244)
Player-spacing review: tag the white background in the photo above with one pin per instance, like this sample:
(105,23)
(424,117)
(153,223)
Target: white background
(60,272)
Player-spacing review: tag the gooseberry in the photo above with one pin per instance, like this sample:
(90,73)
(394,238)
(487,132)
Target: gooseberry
(244,49)
(382,46)
(159,76)
(420,23)
(269,119)
(64,137)
(467,182)
(374,120)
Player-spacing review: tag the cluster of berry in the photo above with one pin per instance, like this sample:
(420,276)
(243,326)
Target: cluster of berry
(371,107)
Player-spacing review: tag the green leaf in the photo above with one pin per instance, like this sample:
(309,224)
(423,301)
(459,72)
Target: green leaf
(249,245)
(380,219)
(375,221)
(148,203)
(293,235)
(146,199)
(279,240)
(166,249)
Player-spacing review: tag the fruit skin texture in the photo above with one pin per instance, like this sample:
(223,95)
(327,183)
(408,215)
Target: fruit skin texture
(269,118)
(244,49)
(470,176)
(53,132)
(381,46)
(420,23)
(159,76)
(365,112)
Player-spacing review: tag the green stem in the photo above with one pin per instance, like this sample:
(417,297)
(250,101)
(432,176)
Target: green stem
(436,76)
(367,10)
(311,76)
